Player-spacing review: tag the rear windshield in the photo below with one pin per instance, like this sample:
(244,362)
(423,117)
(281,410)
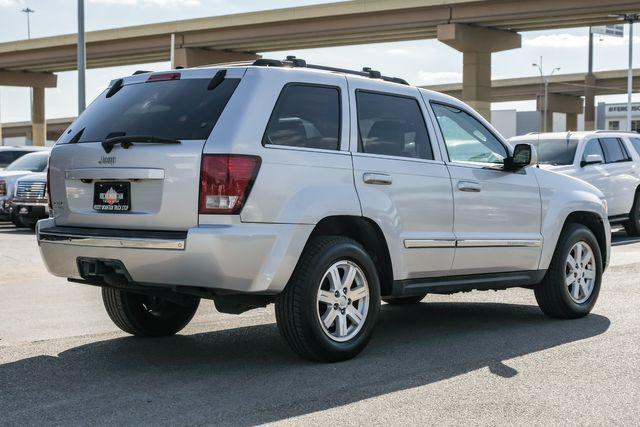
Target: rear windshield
(554,151)
(34,162)
(173,109)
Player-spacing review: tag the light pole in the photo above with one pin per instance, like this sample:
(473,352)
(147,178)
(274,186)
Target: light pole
(545,80)
(82,59)
(28,11)
(629,18)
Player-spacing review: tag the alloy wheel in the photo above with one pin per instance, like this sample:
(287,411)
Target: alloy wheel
(343,301)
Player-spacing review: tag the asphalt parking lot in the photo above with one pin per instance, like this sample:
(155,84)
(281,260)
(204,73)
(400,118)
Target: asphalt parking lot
(480,357)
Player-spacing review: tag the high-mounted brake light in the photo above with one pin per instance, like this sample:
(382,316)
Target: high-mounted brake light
(225,182)
(164,76)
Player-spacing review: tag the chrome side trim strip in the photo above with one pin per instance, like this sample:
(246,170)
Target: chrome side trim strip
(475,243)
(480,243)
(429,243)
(110,242)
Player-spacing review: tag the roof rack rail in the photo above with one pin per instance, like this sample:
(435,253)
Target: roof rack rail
(292,61)
(616,131)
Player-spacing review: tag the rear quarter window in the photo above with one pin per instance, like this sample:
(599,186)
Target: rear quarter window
(305,116)
(174,109)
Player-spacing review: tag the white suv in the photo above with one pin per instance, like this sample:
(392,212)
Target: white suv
(321,190)
(608,160)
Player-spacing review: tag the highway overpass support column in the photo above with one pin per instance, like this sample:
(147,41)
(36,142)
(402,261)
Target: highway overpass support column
(589,102)
(567,104)
(38,124)
(476,45)
(194,57)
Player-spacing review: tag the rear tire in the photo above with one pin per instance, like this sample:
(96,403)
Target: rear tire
(329,308)
(404,300)
(147,316)
(633,225)
(571,286)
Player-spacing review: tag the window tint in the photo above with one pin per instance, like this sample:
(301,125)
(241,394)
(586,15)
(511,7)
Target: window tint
(613,151)
(592,147)
(467,139)
(392,126)
(7,157)
(553,151)
(306,116)
(34,162)
(636,144)
(174,109)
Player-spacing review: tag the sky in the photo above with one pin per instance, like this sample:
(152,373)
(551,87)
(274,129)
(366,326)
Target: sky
(420,62)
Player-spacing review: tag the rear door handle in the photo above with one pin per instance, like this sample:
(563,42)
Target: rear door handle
(377,178)
(469,186)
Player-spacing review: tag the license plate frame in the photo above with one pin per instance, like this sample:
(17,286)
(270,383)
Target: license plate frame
(112,196)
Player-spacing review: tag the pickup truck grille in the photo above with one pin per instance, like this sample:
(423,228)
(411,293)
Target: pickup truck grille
(31,190)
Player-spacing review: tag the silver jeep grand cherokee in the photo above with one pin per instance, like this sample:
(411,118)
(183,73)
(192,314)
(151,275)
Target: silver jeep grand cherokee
(318,189)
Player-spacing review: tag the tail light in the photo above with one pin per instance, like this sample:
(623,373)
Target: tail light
(48,187)
(225,182)
(3,187)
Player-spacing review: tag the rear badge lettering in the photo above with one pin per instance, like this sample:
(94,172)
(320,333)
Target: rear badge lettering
(107,160)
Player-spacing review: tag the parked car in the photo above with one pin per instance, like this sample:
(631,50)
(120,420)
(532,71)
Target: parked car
(609,160)
(9,155)
(25,165)
(318,189)
(31,202)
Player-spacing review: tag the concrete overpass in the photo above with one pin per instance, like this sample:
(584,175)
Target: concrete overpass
(475,27)
(565,96)
(565,91)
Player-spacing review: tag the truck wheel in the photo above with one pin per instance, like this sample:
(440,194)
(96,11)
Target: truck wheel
(145,315)
(404,300)
(27,222)
(633,225)
(330,306)
(572,283)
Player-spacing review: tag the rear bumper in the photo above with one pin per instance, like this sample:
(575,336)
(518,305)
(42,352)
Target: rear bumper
(246,258)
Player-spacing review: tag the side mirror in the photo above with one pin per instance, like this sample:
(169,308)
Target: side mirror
(523,155)
(592,159)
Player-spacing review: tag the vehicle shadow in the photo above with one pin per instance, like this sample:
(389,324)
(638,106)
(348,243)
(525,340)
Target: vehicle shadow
(248,376)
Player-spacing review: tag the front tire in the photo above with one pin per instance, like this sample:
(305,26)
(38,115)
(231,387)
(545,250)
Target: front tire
(571,286)
(632,226)
(148,316)
(330,306)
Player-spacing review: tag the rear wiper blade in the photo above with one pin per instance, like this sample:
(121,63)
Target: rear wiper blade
(128,141)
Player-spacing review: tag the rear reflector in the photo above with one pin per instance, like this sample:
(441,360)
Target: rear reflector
(164,76)
(225,182)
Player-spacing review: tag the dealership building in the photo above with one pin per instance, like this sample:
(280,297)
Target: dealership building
(608,116)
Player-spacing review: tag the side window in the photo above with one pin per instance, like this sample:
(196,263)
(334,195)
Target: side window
(636,144)
(592,147)
(391,125)
(467,139)
(613,151)
(305,116)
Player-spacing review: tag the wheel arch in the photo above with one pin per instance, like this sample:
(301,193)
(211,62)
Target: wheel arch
(366,232)
(593,222)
